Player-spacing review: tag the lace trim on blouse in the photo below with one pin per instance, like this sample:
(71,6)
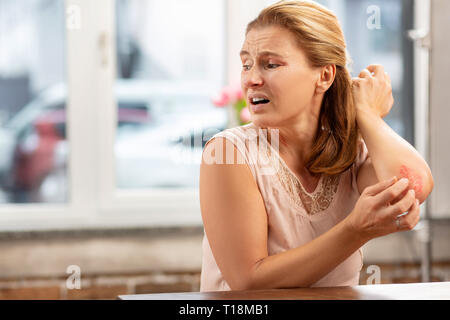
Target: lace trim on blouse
(314,202)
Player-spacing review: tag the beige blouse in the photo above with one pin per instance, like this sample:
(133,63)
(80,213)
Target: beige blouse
(295,216)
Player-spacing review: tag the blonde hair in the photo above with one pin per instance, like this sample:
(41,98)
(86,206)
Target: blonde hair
(319,34)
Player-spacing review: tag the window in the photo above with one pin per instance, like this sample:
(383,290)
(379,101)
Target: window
(134,98)
(32,105)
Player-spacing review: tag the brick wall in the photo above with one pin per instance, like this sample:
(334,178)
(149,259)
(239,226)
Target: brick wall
(100,287)
(110,263)
(109,287)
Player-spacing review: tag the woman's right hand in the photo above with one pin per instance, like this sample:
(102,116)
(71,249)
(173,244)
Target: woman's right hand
(375,212)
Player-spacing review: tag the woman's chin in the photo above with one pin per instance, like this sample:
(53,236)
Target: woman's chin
(262,121)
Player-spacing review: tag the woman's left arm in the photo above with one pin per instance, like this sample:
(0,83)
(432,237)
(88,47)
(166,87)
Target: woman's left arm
(389,154)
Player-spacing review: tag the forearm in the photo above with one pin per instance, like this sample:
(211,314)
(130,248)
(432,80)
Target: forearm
(391,155)
(307,264)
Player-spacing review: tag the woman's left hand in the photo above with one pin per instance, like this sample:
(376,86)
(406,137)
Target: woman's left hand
(373,92)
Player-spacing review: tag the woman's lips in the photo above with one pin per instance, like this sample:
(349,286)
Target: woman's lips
(258,107)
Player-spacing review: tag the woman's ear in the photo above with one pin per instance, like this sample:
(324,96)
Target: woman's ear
(326,78)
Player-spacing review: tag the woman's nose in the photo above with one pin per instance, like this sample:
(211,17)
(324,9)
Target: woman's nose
(252,78)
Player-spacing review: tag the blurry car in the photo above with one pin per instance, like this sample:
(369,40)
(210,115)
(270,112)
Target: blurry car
(157,123)
(34,151)
(34,155)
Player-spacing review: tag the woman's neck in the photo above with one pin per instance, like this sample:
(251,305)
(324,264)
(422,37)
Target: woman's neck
(295,142)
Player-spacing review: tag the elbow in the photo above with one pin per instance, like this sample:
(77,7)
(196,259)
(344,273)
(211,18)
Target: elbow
(421,181)
(424,187)
(240,285)
(241,282)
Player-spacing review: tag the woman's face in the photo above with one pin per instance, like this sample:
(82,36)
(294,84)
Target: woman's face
(277,81)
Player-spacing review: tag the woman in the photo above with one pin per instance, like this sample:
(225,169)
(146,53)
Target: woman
(337,182)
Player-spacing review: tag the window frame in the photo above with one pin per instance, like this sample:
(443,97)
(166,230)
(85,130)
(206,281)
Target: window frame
(421,58)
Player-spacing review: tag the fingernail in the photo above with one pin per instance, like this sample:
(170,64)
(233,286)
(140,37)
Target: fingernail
(404,181)
(417,201)
(412,192)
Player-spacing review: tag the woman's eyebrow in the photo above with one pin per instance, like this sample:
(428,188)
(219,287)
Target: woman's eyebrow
(262,53)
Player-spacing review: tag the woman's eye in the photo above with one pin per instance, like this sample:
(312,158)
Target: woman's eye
(272,65)
(246,67)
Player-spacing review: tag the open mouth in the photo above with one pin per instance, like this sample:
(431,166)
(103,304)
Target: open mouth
(257,101)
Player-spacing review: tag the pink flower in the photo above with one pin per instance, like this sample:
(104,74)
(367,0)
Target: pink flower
(221,100)
(234,92)
(229,95)
(245,115)
(239,94)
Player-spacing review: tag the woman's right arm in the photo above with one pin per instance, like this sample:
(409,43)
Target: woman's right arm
(234,216)
(235,223)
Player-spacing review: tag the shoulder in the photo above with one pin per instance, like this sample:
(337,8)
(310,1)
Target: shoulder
(242,132)
(229,147)
(231,140)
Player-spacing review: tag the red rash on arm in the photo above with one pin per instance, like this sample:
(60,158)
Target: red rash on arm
(415,181)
